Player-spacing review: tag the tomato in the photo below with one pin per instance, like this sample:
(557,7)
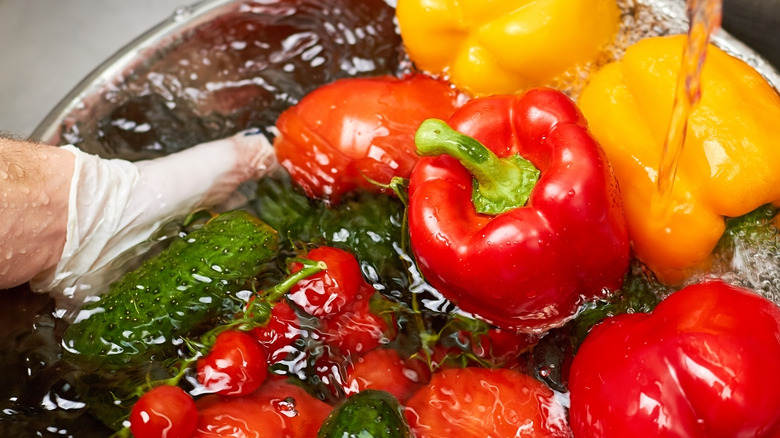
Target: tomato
(385,369)
(327,292)
(278,409)
(481,402)
(704,363)
(501,346)
(496,346)
(236,365)
(488,347)
(164,412)
(356,330)
(358,128)
(240,418)
(281,332)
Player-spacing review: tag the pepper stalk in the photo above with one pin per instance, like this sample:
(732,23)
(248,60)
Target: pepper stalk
(499,184)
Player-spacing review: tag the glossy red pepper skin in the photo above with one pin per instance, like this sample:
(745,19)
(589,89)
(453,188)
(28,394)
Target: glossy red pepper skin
(528,268)
(705,363)
(355,132)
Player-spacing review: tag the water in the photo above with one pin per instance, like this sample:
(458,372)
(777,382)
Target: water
(240,73)
(237,72)
(234,73)
(704,17)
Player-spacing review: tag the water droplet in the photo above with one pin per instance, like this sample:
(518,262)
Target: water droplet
(182,13)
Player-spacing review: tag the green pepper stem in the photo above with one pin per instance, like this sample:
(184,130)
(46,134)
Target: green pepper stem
(500,184)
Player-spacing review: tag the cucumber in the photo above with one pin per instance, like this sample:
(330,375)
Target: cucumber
(191,282)
(368,414)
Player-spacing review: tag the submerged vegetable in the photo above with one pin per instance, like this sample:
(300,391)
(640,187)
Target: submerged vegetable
(328,292)
(702,364)
(165,411)
(728,166)
(518,266)
(365,224)
(504,46)
(192,282)
(367,414)
(236,365)
(277,409)
(479,403)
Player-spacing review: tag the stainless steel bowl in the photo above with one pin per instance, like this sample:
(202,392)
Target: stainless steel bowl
(218,67)
(216,104)
(85,99)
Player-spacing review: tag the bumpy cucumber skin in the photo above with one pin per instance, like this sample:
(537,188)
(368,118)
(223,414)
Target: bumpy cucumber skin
(368,414)
(192,281)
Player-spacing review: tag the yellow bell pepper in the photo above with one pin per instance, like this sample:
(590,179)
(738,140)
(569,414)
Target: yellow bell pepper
(504,46)
(730,163)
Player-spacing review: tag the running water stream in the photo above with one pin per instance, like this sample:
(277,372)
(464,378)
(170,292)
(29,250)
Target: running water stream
(704,17)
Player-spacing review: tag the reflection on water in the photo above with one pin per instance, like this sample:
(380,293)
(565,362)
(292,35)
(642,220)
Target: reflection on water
(238,71)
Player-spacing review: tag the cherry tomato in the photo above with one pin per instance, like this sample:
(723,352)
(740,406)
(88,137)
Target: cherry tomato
(355,128)
(164,412)
(281,332)
(236,365)
(439,356)
(481,402)
(356,330)
(500,346)
(385,369)
(704,363)
(278,409)
(327,292)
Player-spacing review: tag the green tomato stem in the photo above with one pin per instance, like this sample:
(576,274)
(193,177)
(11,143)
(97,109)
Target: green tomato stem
(310,267)
(257,314)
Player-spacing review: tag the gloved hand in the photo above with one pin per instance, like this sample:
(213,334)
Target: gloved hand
(115,205)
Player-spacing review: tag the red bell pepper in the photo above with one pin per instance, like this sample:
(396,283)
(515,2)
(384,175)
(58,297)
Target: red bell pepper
(704,363)
(525,266)
(354,132)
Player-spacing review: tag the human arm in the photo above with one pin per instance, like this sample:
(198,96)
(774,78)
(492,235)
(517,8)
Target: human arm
(34,182)
(99,208)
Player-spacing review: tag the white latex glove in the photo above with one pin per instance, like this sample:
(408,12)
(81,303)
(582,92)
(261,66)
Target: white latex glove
(115,205)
